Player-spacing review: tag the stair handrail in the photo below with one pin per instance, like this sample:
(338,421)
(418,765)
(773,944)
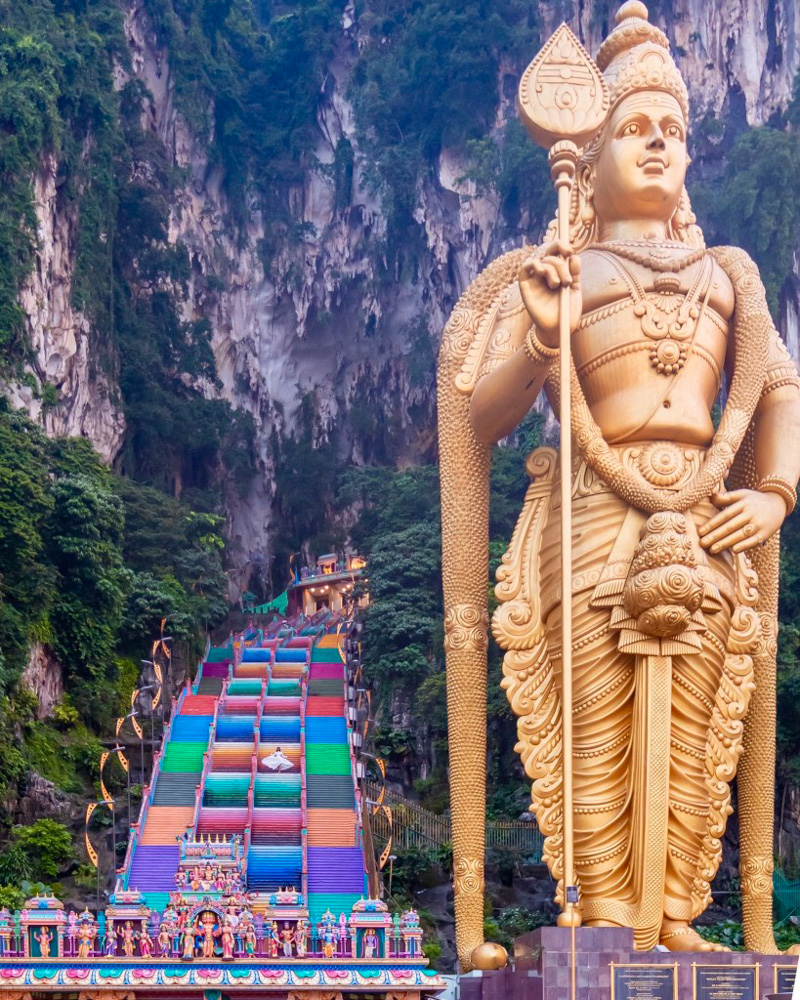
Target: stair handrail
(303,787)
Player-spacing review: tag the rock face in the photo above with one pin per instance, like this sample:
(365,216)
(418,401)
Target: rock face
(43,677)
(59,335)
(322,318)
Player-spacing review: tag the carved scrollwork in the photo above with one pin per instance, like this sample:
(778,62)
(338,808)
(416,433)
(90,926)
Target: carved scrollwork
(468,876)
(466,627)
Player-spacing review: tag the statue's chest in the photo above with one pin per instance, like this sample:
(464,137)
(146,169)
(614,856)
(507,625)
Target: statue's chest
(652,325)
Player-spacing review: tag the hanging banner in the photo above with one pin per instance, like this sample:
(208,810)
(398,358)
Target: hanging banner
(388,849)
(134,720)
(103,790)
(89,849)
(160,679)
(382,793)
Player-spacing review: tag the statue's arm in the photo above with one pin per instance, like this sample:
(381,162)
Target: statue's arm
(503,396)
(777,418)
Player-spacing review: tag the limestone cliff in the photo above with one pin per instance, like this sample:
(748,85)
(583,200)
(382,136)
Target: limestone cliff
(324,316)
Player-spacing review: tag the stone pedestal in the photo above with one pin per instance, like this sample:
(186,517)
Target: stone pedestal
(543,966)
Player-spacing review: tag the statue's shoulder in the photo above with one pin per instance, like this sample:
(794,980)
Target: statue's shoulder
(483,326)
(739,268)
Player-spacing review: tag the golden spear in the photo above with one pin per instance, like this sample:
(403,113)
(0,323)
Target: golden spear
(563,102)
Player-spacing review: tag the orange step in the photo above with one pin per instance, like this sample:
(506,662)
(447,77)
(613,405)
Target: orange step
(198,704)
(331,828)
(165,823)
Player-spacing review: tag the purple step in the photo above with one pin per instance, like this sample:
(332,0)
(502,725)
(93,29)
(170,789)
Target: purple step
(216,669)
(335,869)
(153,868)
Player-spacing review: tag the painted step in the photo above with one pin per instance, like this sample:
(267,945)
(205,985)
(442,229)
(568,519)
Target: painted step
(176,788)
(283,670)
(191,728)
(326,687)
(226,790)
(325,729)
(270,868)
(210,686)
(286,655)
(164,823)
(218,654)
(153,868)
(273,790)
(245,686)
(184,757)
(331,828)
(234,728)
(325,791)
(257,654)
(291,751)
(221,821)
(325,706)
(336,902)
(278,728)
(198,704)
(327,671)
(282,706)
(335,869)
(284,686)
(327,758)
(250,670)
(232,756)
(240,705)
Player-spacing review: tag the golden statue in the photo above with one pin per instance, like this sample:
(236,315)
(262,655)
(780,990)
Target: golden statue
(672,536)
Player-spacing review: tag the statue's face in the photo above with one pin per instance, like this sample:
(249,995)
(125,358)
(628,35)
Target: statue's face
(641,169)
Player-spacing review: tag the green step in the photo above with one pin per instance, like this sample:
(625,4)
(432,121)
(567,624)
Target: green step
(219,653)
(326,687)
(186,757)
(336,902)
(327,758)
(276,790)
(284,686)
(325,656)
(245,685)
(223,790)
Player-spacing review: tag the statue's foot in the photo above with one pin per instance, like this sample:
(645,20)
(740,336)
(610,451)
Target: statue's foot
(793,949)
(678,936)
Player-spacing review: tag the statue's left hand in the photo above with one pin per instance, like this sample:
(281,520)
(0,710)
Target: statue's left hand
(747,519)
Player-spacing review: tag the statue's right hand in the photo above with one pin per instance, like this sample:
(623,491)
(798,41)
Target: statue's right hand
(541,279)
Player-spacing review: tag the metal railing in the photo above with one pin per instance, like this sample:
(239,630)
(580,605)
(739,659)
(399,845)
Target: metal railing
(413,826)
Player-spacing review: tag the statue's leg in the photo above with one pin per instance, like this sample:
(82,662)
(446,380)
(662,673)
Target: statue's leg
(603,695)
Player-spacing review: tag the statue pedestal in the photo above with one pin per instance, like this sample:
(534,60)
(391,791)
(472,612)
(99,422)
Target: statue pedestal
(543,969)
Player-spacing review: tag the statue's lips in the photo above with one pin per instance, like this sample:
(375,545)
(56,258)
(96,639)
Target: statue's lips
(654,165)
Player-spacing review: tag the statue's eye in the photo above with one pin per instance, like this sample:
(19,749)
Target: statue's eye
(632,128)
(674,132)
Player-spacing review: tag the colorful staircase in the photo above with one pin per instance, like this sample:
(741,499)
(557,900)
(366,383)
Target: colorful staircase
(335,863)
(299,825)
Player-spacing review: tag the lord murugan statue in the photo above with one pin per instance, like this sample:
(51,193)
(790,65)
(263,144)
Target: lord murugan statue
(675,512)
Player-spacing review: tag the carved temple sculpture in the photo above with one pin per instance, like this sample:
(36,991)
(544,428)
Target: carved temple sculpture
(671,538)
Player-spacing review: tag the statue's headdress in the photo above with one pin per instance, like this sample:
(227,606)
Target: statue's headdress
(636,56)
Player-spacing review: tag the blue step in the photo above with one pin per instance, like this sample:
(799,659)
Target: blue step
(325,729)
(235,728)
(271,867)
(256,655)
(280,729)
(283,655)
(191,728)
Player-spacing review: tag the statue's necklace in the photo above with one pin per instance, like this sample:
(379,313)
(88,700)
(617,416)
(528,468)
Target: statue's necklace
(667,317)
(660,257)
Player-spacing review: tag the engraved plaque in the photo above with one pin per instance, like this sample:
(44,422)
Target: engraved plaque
(784,978)
(726,982)
(644,982)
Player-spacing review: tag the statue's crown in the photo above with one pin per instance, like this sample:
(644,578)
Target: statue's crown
(636,56)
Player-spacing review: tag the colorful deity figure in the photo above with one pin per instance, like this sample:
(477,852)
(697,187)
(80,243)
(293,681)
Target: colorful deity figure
(86,937)
(209,929)
(250,940)
(287,936)
(128,939)
(45,938)
(227,940)
(110,947)
(301,938)
(369,943)
(188,941)
(145,942)
(165,940)
(273,940)
(328,937)
(72,930)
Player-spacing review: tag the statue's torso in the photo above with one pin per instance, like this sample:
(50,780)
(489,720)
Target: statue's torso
(648,372)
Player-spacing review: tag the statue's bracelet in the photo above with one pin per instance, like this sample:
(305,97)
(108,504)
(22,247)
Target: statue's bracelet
(782,487)
(537,352)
